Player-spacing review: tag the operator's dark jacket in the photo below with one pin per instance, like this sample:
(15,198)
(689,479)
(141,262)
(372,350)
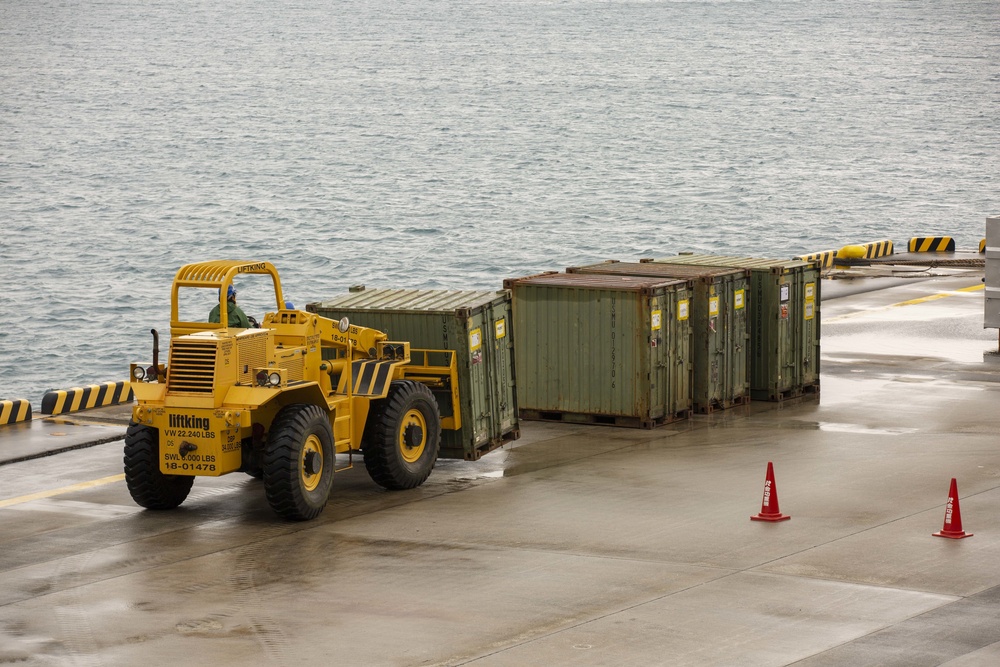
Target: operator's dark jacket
(237,318)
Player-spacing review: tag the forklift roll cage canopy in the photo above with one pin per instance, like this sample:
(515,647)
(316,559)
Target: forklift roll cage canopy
(218,274)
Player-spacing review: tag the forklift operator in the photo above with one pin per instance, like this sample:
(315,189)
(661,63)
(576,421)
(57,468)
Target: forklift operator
(237,318)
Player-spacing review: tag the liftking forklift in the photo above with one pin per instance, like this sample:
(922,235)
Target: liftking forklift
(279,402)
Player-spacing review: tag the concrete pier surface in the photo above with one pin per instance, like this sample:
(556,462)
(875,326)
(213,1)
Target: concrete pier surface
(579,545)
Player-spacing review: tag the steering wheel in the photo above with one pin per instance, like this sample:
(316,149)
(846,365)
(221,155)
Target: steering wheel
(253,323)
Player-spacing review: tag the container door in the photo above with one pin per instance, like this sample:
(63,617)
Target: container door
(763,334)
(493,408)
(483,407)
(669,324)
(810,326)
(658,339)
(716,371)
(771,335)
(681,355)
(796,364)
(790,328)
(737,309)
(500,368)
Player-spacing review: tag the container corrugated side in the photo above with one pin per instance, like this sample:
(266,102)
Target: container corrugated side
(719,325)
(476,325)
(785,322)
(602,349)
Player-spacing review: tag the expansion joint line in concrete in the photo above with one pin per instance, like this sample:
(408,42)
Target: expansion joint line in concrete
(865,530)
(728,574)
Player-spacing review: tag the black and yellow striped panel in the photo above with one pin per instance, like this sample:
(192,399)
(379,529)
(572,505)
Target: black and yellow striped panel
(371,377)
(82,398)
(982,246)
(877,249)
(932,244)
(12,412)
(825,258)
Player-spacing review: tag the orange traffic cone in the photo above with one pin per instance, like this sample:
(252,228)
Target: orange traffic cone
(769,506)
(952,516)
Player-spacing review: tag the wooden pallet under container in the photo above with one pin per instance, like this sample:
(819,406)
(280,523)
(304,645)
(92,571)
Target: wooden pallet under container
(602,420)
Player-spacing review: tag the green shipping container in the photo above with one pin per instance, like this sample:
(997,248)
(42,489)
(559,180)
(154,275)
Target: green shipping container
(602,349)
(784,314)
(719,326)
(476,325)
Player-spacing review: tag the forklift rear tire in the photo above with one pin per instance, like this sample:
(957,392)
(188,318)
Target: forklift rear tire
(298,462)
(403,436)
(149,487)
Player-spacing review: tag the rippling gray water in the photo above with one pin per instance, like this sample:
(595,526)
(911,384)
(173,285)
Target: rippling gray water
(420,143)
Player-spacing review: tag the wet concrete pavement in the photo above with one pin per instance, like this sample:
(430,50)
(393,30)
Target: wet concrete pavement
(46,435)
(579,545)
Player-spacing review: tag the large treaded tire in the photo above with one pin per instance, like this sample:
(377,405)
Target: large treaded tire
(299,462)
(149,487)
(402,436)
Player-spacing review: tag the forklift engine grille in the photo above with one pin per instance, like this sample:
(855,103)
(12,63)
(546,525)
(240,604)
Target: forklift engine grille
(296,369)
(252,348)
(192,366)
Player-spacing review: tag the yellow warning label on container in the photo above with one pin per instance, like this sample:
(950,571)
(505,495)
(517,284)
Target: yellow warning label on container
(738,299)
(810,310)
(810,291)
(682,309)
(475,339)
(713,306)
(501,327)
(657,319)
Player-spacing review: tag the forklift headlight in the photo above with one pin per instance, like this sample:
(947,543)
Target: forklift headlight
(274,379)
(138,373)
(261,378)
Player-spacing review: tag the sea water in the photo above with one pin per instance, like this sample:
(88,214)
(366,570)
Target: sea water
(452,144)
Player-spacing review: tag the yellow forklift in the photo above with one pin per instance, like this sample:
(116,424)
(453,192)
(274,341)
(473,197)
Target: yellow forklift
(280,400)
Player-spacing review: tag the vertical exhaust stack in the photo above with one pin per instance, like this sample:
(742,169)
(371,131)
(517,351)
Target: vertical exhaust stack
(156,352)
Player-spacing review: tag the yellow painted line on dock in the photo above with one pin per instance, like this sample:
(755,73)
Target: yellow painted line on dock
(932,297)
(66,489)
(911,302)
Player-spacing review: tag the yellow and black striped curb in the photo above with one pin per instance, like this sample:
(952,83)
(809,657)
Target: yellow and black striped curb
(877,249)
(12,412)
(932,244)
(825,258)
(81,398)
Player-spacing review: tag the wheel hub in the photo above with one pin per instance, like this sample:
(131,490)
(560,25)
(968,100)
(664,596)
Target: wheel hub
(411,438)
(312,464)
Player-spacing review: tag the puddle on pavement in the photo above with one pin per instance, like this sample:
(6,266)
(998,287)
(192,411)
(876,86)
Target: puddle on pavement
(838,427)
(861,428)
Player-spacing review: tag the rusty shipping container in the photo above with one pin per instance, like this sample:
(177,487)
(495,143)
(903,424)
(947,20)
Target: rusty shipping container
(719,319)
(474,324)
(602,349)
